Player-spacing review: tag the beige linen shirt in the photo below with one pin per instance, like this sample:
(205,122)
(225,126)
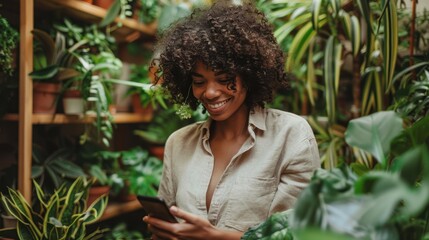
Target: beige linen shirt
(265,176)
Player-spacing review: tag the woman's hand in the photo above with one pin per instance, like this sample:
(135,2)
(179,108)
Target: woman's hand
(193,227)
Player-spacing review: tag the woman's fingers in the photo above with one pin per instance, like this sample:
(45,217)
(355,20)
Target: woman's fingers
(188,217)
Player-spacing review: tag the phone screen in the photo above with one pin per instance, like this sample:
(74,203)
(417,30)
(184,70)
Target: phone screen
(156,207)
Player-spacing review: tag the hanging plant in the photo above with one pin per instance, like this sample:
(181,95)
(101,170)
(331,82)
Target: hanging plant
(8,43)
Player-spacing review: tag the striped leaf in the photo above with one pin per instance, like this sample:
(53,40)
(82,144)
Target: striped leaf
(299,45)
(315,13)
(311,76)
(282,32)
(390,47)
(332,65)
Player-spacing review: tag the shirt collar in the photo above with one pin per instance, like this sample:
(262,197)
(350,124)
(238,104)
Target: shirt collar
(256,118)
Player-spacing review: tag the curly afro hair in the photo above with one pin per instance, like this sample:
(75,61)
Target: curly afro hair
(234,38)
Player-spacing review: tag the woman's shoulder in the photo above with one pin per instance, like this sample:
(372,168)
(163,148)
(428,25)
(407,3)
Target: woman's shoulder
(187,132)
(287,121)
(281,116)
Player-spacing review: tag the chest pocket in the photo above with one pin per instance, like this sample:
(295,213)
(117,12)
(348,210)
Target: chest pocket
(249,202)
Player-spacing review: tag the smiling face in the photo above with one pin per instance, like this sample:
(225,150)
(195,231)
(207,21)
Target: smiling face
(221,96)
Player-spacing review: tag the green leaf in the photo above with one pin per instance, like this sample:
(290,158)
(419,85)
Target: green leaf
(315,13)
(390,46)
(374,133)
(48,45)
(331,75)
(25,232)
(300,44)
(66,168)
(45,73)
(314,233)
(276,227)
(111,14)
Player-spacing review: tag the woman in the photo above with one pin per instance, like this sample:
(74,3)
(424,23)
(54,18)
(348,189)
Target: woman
(245,162)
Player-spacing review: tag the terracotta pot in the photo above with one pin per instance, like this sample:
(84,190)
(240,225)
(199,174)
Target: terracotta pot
(45,96)
(73,102)
(9,221)
(103,3)
(125,196)
(157,151)
(96,192)
(138,108)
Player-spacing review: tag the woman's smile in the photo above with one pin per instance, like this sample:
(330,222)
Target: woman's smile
(222,95)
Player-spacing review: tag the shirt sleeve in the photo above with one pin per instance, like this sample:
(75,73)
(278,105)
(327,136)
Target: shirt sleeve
(166,188)
(296,174)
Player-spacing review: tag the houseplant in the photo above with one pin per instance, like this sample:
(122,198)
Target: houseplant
(62,215)
(344,55)
(138,173)
(163,124)
(99,164)
(54,64)
(390,203)
(141,97)
(52,169)
(8,42)
(8,45)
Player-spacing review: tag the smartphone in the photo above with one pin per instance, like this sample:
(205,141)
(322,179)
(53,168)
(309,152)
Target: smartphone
(156,207)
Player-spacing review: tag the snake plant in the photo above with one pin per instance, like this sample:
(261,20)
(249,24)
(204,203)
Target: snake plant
(62,215)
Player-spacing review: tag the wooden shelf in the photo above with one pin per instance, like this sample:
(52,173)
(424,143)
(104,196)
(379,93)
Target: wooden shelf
(79,119)
(130,30)
(117,208)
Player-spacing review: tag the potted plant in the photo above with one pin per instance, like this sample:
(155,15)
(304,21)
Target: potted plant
(54,64)
(52,169)
(8,178)
(99,165)
(64,214)
(8,45)
(8,42)
(137,173)
(144,99)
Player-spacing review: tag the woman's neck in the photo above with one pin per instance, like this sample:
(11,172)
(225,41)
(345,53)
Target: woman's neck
(233,127)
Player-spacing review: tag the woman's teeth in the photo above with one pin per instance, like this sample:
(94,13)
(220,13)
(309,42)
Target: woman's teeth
(218,105)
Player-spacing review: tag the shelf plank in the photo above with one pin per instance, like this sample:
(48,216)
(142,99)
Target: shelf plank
(130,30)
(118,118)
(117,208)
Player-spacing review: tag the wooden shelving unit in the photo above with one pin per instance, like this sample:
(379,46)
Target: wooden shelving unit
(117,208)
(128,32)
(119,118)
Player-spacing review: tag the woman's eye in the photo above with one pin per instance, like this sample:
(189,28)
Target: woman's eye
(226,80)
(197,82)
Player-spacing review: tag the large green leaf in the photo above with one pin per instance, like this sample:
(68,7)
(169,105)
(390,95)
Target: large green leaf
(276,227)
(374,133)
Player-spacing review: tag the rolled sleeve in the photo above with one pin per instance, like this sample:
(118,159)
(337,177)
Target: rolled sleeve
(296,175)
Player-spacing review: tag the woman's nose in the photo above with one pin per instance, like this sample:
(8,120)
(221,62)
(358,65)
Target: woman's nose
(211,91)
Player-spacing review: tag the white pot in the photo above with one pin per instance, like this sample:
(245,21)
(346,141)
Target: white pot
(73,105)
